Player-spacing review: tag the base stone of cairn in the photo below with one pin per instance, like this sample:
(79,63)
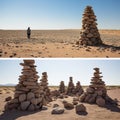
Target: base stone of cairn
(71,87)
(89,35)
(44,85)
(28,94)
(96,93)
(78,89)
(62,87)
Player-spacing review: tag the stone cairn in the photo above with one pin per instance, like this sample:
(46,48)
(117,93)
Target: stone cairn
(71,87)
(62,87)
(78,89)
(28,94)
(96,92)
(44,85)
(89,35)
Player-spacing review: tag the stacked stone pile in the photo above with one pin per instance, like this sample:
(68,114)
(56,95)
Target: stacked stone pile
(96,92)
(78,89)
(62,87)
(44,86)
(28,94)
(71,87)
(89,34)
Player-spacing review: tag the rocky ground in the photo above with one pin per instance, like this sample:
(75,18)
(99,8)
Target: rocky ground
(56,43)
(93,111)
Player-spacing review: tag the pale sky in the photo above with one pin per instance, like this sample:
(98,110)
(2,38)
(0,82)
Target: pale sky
(61,69)
(57,14)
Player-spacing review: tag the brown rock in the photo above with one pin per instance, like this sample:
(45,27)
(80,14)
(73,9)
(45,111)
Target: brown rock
(30,95)
(8,98)
(22,97)
(100,101)
(24,105)
(80,108)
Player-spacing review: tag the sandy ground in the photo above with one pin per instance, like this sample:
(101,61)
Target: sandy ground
(56,43)
(94,112)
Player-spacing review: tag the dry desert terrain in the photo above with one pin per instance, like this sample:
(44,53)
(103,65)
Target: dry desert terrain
(56,43)
(93,111)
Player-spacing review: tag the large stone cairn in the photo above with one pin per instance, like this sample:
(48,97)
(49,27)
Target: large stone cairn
(78,89)
(44,85)
(71,87)
(89,34)
(28,94)
(96,92)
(62,87)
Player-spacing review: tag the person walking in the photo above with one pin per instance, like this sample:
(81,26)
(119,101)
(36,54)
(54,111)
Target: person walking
(28,32)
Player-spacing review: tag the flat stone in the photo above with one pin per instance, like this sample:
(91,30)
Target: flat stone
(57,110)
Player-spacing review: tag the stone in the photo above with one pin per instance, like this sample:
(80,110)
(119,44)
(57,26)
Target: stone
(55,105)
(34,101)
(90,90)
(57,110)
(24,105)
(8,98)
(80,108)
(22,97)
(75,102)
(68,106)
(31,107)
(100,102)
(30,95)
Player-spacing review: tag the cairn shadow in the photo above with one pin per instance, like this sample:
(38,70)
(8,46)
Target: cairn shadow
(112,47)
(113,108)
(13,115)
(82,113)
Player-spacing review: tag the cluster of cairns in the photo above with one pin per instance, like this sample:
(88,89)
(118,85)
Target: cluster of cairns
(74,90)
(89,35)
(29,95)
(96,93)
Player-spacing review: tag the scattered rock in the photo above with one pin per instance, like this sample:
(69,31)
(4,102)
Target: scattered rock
(68,106)
(57,110)
(8,98)
(80,109)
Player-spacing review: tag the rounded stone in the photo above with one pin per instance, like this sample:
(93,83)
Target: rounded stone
(24,105)
(80,108)
(100,101)
(30,95)
(22,97)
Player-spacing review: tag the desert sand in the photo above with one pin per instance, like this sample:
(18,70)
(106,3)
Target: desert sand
(56,43)
(93,111)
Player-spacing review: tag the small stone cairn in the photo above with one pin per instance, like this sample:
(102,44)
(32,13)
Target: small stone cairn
(28,94)
(78,89)
(89,35)
(96,92)
(62,87)
(44,85)
(71,87)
